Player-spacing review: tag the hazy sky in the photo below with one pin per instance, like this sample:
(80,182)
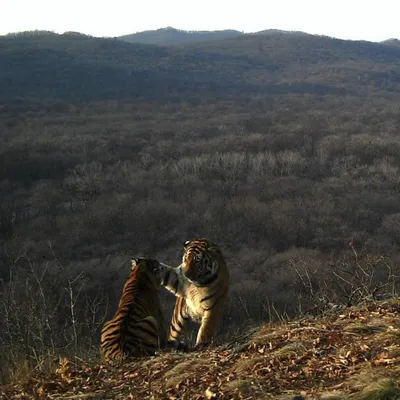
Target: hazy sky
(347,19)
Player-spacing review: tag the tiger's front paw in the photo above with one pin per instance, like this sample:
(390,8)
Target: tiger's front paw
(177,345)
(201,346)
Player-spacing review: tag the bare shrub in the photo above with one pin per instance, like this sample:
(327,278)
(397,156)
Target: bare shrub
(347,280)
(45,312)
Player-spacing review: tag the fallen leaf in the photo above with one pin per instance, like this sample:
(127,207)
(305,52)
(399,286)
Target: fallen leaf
(210,394)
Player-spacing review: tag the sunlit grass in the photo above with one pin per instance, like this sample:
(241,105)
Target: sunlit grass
(385,389)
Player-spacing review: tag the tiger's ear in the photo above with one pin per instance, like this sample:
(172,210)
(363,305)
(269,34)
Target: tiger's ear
(186,243)
(134,263)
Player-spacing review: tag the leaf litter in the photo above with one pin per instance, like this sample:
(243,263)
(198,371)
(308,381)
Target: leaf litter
(339,352)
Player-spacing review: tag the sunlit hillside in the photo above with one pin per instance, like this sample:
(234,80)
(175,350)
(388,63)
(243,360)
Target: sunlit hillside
(346,354)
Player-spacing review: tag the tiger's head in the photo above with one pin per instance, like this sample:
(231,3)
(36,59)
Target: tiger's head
(153,270)
(200,261)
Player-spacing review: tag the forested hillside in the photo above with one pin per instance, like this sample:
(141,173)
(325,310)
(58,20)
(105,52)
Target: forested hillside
(78,68)
(283,149)
(171,36)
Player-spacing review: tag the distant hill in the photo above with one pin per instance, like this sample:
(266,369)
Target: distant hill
(169,36)
(44,33)
(73,67)
(278,32)
(392,42)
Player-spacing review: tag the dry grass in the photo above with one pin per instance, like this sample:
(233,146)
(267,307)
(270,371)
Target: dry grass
(296,348)
(384,389)
(354,354)
(363,329)
(335,395)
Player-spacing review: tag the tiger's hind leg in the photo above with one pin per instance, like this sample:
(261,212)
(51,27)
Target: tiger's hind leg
(179,321)
(144,338)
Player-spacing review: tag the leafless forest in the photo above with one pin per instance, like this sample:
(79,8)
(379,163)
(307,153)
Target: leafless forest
(299,187)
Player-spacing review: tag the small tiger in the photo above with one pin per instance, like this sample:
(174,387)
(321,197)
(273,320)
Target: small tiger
(138,327)
(201,285)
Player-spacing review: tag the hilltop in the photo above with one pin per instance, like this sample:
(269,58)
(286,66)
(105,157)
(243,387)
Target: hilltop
(171,36)
(75,68)
(392,42)
(350,353)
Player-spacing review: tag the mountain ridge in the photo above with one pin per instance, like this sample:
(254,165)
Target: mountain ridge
(173,36)
(73,67)
(170,35)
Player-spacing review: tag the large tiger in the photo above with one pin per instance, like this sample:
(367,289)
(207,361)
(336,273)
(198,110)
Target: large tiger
(201,285)
(138,327)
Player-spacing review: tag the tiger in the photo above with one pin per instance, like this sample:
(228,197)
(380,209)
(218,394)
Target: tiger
(201,285)
(138,327)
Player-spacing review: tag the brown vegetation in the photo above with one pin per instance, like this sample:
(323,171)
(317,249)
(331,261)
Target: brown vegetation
(352,353)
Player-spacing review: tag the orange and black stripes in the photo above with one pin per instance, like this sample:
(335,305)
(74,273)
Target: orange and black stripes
(138,327)
(180,319)
(201,285)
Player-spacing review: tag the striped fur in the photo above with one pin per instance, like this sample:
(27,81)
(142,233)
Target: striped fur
(138,327)
(201,285)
